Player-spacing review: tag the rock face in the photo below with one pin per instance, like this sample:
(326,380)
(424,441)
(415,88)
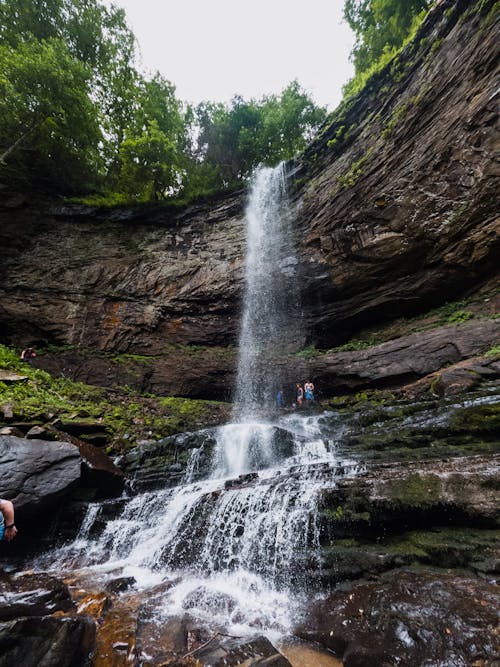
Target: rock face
(409,618)
(395,202)
(400,194)
(407,359)
(126,280)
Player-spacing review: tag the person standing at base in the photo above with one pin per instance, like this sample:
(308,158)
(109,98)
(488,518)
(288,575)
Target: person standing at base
(309,391)
(279,399)
(299,395)
(28,355)
(8,530)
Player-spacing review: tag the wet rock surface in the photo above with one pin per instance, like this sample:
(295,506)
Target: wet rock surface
(163,463)
(410,618)
(38,625)
(48,641)
(254,652)
(32,595)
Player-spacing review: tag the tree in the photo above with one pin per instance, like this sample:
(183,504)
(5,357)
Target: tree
(47,114)
(152,161)
(380,25)
(234,139)
(66,100)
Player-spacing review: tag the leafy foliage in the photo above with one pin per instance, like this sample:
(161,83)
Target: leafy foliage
(77,117)
(232,140)
(381,28)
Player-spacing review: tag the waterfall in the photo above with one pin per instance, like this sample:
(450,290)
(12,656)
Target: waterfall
(239,544)
(270,325)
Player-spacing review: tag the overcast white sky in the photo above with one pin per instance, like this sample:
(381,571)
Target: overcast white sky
(214,49)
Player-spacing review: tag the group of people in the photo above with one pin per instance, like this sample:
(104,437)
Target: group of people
(302,393)
(305,392)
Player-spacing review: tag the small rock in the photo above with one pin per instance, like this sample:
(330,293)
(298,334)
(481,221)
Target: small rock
(37,432)
(11,430)
(8,377)
(7,411)
(121,584)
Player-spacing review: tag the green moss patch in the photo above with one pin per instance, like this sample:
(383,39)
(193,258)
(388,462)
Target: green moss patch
(125,415)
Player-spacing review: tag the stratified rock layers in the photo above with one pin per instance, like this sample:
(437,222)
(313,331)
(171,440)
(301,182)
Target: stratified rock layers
(395,203)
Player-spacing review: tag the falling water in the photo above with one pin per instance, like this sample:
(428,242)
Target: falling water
(270,324)
(237,541)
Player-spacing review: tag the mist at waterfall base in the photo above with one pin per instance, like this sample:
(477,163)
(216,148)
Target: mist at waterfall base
(236,546)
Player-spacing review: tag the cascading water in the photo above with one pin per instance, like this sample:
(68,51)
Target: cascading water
(235,541)
(271,323)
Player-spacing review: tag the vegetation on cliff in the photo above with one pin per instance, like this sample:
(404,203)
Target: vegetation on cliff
(381,28)
(124,416)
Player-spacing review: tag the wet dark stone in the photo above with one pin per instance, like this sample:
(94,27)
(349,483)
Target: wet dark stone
(121,584)
(36,474)
(47,641)
(162,463)
(408,618)
(231,652)
(32,595)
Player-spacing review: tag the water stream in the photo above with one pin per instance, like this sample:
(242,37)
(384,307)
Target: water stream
(238,548)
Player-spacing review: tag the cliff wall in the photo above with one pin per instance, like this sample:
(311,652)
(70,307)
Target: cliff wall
(395,206)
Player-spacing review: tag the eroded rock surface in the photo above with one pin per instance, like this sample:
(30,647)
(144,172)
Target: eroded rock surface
(406,359)
(410,618)
(396,202)
(400,192)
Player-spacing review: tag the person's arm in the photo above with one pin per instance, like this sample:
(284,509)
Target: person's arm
(7,509)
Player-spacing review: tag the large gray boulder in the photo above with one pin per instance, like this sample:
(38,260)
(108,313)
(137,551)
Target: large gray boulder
(36,474)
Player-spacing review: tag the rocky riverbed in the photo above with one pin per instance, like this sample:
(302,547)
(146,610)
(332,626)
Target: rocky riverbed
(408,547)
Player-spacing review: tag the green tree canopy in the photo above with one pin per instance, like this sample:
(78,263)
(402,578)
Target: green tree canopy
(67,80)
(76,115)
(152,157)
(45,99)
(380,26)
(233,139)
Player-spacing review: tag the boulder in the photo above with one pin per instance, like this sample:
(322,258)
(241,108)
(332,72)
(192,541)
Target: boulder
(455,379)
(256,652)
(37,474)
(37,433)
(408,618)
(98,470)
(10,377)
(47,640)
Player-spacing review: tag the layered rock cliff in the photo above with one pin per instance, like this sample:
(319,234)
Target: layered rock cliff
(400,193)
(395,204)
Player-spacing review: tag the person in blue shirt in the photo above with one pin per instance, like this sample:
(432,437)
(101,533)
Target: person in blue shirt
(8,530)
(279,399)
(309,391)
